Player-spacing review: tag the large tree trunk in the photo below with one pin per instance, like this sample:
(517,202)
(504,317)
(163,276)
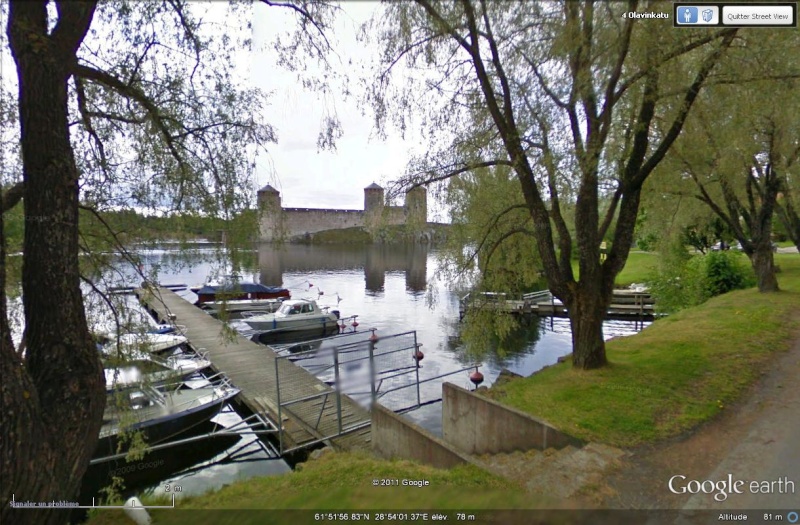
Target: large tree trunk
(790,219)
(587,310)
(764,267)
(51,401)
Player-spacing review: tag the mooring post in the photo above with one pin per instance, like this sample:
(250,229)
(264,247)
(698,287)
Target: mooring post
(372,376)
(338,388)
(416,368)
(278,398)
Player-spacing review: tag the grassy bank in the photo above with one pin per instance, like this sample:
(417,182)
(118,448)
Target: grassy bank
(679,372)
(341,481)
(639,266)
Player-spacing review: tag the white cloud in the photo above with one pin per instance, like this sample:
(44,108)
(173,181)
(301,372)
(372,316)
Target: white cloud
(305,176)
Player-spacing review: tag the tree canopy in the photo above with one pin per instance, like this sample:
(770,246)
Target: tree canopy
(118,105)
(581,102)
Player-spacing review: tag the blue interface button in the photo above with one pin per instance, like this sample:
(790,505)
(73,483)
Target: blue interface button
(792,517)
(687,15)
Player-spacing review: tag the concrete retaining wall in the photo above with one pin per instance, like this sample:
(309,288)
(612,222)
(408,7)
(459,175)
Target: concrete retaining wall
(476,425)
(395,437)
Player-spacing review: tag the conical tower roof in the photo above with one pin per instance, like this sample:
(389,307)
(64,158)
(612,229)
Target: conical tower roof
(268,189)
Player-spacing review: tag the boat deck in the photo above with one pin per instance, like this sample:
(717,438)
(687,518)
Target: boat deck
(251,367)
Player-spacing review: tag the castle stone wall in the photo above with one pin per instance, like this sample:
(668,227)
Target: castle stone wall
(299,221)
(277,223)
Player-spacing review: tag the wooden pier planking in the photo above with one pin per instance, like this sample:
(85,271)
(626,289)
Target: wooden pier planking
(251,368)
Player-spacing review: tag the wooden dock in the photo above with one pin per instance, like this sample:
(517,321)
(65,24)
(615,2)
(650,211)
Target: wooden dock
(251,367)
(626,304)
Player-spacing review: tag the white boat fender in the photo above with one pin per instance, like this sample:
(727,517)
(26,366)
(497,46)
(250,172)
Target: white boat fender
(134,509)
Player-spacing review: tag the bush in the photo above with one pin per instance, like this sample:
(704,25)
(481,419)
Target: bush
(686,283)
(725,272)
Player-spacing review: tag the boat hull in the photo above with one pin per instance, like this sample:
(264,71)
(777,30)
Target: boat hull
(317,323)
(165,428)
(279,336)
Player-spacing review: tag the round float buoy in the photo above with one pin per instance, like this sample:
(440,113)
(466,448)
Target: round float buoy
(342,326)
(476,377)
(374,337)
(355,323)
(418,355)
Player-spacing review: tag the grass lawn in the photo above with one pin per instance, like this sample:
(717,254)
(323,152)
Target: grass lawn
(340,481)
(639,266)
(682,370)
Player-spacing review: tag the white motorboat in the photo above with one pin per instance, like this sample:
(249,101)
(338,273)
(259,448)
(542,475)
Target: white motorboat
(148,369)
(160,416)
(298,315)
(131,344)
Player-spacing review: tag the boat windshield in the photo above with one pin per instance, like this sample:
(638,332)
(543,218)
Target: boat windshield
(294,309)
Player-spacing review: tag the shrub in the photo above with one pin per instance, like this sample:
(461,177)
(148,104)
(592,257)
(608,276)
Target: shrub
(683,283)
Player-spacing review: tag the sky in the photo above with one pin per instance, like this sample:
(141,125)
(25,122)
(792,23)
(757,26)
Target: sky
(305,176)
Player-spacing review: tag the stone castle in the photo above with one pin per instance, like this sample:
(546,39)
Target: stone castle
(278,223)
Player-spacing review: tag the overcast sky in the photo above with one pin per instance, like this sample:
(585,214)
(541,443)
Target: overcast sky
(305,176)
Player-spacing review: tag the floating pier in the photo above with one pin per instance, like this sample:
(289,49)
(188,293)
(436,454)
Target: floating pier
(254,369)
(626,304)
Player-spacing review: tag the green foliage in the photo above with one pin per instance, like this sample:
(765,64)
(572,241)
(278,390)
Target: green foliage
(676,374)
(684,280)
(647,242)
(491,232)
(725,271)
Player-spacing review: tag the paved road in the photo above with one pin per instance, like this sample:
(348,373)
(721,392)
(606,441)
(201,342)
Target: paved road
(771,449)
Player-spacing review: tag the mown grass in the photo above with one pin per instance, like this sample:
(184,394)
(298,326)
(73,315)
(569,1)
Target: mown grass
(639,266)
(682,370)
(338,481)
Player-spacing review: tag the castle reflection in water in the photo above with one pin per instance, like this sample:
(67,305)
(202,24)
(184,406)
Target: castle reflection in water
(377,259)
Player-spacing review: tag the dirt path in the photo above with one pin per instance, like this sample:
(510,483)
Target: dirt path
(758,439)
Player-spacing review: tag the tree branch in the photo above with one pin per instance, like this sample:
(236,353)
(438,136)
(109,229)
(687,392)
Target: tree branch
(12,196)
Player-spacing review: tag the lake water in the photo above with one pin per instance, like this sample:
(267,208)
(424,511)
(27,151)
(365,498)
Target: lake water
(392,289)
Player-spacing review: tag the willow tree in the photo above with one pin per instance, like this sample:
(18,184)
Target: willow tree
(734,154)
(119,104)
(739,149)
(572,94)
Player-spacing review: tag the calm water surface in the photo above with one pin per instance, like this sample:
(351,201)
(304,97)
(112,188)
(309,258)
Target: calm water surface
(392,289)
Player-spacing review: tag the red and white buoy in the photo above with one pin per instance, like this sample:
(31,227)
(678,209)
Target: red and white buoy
(418,355)
(476,377)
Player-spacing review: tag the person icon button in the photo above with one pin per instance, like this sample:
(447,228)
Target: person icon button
(687,15)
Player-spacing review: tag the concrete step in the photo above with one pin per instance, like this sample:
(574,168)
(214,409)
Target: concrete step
(560,474)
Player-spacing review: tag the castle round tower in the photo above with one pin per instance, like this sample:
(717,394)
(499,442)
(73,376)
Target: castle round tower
(416,206)
(373,198)
(270,213)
